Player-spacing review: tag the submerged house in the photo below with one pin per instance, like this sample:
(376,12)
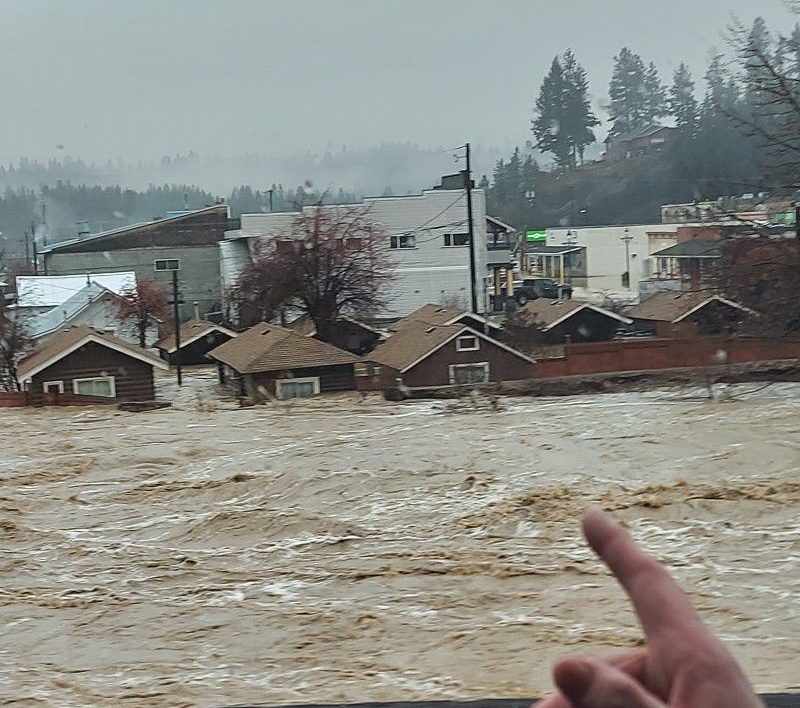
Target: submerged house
(84,364)
(671,313)
(197,339)
(421,355)
(349,334)
(443,315)
(555,320)
(268,361)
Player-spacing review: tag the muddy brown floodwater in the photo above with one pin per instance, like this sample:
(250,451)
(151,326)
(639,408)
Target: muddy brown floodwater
(340,550)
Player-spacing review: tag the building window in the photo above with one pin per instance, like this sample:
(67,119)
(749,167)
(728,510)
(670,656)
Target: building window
(53,387)
(456,239)
(297,388)
(403,241)
(467,344)
(462,374)
(101,386)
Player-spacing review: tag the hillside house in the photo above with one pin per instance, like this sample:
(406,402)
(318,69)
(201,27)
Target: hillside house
(82,364)
(643,141)
(268,361)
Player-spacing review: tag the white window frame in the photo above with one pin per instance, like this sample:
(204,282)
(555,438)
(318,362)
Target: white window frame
(58,384)
(461,348)
(396,241)
(451,238)
(110,379)
(279,383)
(452,371)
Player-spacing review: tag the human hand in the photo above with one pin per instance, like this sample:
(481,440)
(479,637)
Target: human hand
(683,664)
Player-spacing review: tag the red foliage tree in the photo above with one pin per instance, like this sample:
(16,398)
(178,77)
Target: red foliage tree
(144,304)
(331,262)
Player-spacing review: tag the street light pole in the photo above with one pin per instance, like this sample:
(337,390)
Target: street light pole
(627,238)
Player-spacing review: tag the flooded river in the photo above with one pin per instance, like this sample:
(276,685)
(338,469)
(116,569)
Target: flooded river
(346,550)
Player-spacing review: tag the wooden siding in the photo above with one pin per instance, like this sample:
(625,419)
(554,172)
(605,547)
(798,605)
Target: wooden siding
(133,379)
(331,378)
(435,369)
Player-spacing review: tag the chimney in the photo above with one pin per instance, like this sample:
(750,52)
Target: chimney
(196,311)
(83,229)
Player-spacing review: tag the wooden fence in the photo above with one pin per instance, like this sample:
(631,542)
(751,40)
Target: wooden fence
(648,354)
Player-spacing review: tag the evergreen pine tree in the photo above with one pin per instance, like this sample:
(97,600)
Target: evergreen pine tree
(654,95)
(682,102)
(578,116)
(563,117)
(549,123)
(626,93)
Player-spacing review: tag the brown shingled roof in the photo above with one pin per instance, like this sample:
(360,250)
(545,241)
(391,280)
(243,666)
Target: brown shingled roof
(63,343)
(432,314)
(412,342)
(417,340)
(671,306)
(547,313)
(267,347)
(191,331)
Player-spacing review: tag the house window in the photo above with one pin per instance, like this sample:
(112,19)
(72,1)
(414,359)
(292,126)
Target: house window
(298,388)
(102,386)
(456,239)
(467,344)
(461,374)
(53,387)
(403,241)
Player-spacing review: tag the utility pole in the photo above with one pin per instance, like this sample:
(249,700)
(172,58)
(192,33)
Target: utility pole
(173,264)
(176,315)
(270,191)
(471,229)
(27,250)
(797,221)
(35,259)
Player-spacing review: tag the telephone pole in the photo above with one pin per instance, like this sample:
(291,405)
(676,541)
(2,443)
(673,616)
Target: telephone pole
(471,228)
(176,315)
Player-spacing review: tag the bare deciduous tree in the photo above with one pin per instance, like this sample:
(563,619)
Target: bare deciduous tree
(144,303)
(333,261)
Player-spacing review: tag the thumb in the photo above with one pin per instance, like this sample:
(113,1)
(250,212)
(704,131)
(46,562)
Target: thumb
(591,685)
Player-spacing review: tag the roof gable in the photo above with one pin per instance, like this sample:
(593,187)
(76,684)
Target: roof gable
(549,313)
(671,306)
(70,340)
(441,315)
(415,342)
(61,315)
(190,332)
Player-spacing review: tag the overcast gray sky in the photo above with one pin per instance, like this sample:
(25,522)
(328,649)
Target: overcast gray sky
(142,78)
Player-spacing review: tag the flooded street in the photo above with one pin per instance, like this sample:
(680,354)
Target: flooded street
(340,550)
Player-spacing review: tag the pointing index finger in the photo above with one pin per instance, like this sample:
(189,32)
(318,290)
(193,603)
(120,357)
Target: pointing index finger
(661,605)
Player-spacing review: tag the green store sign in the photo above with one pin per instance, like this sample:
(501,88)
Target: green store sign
(539,236)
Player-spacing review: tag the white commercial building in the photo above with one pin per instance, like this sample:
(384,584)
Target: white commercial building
(608,252)
(427,239)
